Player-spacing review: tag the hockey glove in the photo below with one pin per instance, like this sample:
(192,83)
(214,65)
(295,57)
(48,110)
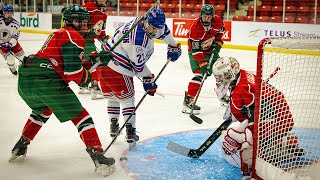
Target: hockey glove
(7,46)
(174,52)
(149,85)
(237,138)
(204,68)
(103,56)
(215,48)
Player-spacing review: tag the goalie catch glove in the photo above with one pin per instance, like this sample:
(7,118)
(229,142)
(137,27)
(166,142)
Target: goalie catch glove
(174,52)
(237,138)
(149,85)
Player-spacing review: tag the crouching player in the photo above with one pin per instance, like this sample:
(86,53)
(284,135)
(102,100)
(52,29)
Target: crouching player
(237,139)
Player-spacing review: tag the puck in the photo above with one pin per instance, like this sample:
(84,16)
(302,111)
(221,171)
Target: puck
(123,159)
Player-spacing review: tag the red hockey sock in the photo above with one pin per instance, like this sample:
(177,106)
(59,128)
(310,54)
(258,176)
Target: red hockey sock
(87,131)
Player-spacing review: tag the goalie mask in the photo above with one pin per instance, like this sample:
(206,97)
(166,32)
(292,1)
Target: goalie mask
(226,69)
(154,23)
(207,12)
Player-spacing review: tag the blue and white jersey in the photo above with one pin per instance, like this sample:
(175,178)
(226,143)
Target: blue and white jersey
(133,52)
(9,32)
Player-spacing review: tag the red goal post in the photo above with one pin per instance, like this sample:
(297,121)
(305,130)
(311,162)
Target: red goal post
(286,138)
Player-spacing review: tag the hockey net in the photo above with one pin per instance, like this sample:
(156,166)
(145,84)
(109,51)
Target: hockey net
(287,110)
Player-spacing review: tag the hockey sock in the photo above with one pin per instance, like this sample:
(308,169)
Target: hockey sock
(194,85)
(34,124)
(113,108)
(128,108)
(87,131)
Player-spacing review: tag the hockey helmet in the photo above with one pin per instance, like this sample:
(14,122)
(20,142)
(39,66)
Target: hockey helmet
(75,12)
(155,23)
(8,8)
(8,13)
(78,13)
(226,69)
(207,12)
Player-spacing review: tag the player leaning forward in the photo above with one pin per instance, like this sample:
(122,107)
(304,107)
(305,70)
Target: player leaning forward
(9,45)
(130,59)
(237,139)
(43,85)
(204,44)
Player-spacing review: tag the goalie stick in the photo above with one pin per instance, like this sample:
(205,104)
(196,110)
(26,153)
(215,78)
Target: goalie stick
(196,153)
(127,33)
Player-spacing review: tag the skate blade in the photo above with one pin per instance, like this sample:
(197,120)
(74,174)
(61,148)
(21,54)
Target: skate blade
(105,170)
(17,158)
(96,97)
(132,145)
(84,92)
(195,112)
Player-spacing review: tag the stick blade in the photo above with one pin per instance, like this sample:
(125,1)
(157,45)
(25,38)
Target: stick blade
(177,148)
(196,119)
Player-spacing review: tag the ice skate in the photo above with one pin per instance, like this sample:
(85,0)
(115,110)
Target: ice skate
(19,149)
(131,136)
(187,105)
(84,90)
(13,70)
(114,127)
(104,166)
(96,92)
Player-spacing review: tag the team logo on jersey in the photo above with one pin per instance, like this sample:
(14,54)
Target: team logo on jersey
(139,50)
(4,35)
(54,62)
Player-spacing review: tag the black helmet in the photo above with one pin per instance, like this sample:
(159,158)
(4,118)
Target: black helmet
(206,10)
(75,12)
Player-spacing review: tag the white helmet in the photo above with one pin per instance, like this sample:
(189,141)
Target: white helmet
(226,69)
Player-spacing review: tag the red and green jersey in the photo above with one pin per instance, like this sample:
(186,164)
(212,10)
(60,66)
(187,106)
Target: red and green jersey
(98,17)
(200,40)
(64,49)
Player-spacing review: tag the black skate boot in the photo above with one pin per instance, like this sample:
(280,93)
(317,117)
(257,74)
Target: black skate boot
(104,166)
(20,149)
(114,127)
(131,136)
(13,70)
(187,105)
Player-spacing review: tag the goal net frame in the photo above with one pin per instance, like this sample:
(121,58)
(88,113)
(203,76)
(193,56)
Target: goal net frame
(306,49)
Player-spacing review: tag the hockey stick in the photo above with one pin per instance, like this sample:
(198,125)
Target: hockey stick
(196,153)
(137,106)
(192,116)
(127,33)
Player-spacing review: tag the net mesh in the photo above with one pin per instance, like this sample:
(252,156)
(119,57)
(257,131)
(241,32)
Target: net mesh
(288,126)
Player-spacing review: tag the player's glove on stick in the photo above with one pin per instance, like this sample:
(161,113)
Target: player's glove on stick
(215,48)
(7,46)
(204,67)
(174,52)
(104,56)
(149,85)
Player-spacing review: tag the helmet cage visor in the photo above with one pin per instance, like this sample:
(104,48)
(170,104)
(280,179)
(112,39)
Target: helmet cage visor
(151,31)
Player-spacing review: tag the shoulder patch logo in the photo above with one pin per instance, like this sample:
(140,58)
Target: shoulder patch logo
(54,61)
